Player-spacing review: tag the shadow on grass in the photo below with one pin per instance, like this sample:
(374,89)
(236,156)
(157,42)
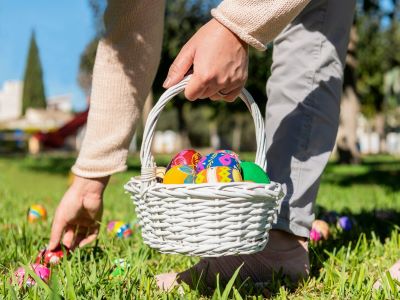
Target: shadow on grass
(372,224)
(383,171)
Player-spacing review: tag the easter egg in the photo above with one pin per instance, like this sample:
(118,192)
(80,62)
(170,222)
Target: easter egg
(119,229)
(48,257)
(120,267)
(187,157)
(160,173)
(230,152)
(253,172)
(315,235)
(41,271)
(217,159)
(322,227)
(218,174)
(179,175)
(345,223)
(36,212)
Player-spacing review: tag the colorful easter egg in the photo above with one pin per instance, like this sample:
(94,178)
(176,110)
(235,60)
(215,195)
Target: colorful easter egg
(179,175)
(41,271)
(160,173)
(187,157)
(218,174)
(345,223)
(47,257)
(322,227)
(253,172)
(217,159)
(315,235)
(119,229)
(230,152)
(36,212)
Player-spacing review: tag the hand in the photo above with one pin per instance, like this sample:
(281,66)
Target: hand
(220,62)
(79,213)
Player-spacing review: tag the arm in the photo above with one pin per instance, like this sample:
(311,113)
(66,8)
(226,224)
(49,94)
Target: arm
(257,22)
(218,51)
(125,66)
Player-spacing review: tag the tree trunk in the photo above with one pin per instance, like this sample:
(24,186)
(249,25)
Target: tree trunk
(347,135)
(346,140)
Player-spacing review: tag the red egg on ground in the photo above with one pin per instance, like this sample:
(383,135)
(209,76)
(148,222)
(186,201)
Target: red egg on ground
(48,257)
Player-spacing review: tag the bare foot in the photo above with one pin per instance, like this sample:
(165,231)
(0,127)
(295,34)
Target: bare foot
(394,272)
(166,281)
(284,252)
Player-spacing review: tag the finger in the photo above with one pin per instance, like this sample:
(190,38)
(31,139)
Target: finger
(232,95)
(57,230)
(180,66)
(89,239)
(195,88)
(228,97)
(69,235)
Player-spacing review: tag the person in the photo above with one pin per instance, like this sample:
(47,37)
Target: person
(310,41)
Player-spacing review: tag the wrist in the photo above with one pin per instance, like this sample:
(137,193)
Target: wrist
(227,29)
(91,185)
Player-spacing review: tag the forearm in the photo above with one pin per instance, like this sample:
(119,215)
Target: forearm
(257,22)
(126,63)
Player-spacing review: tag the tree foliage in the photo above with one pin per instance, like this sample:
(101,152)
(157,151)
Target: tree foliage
(378,51)
(33,94)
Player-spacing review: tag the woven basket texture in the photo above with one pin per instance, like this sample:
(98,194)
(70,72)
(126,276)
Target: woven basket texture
(206,220)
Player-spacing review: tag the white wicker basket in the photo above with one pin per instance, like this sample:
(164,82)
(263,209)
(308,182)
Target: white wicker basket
(206,220)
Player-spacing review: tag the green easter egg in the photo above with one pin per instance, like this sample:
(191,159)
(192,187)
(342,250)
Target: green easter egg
(254,173)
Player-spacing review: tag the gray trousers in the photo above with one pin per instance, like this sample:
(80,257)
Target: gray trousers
(303,106)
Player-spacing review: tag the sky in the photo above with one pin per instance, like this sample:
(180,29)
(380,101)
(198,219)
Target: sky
(62,28)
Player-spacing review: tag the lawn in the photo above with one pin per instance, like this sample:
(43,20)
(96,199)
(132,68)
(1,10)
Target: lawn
(345,267)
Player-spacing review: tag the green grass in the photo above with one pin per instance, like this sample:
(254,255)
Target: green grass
(345,267)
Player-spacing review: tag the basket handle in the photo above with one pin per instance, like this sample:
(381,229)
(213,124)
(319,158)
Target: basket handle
(146,157)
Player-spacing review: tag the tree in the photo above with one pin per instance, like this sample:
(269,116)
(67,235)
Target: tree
(33,94)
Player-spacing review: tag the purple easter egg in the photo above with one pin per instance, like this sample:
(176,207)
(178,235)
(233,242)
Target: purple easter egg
(345,223)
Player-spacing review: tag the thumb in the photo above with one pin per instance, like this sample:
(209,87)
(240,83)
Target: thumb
(57,230)
(180,66)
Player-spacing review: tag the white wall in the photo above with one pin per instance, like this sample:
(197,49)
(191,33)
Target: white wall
(11,100)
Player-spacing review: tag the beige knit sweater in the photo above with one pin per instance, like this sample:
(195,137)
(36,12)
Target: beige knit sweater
(127,60)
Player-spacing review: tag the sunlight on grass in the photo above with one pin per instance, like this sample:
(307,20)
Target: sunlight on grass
(344,267)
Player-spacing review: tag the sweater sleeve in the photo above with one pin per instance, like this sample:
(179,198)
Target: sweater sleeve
(125,66)
(257,22)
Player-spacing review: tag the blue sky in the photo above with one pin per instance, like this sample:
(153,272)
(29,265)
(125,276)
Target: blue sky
(63,28)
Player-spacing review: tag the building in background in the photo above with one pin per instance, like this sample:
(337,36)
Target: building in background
(60,103)
(11,100)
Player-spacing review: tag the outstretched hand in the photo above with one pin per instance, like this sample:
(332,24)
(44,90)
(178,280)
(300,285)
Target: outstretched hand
(219,60)
(78,216)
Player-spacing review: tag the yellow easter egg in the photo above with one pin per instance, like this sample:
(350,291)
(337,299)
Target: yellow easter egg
(179,175)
